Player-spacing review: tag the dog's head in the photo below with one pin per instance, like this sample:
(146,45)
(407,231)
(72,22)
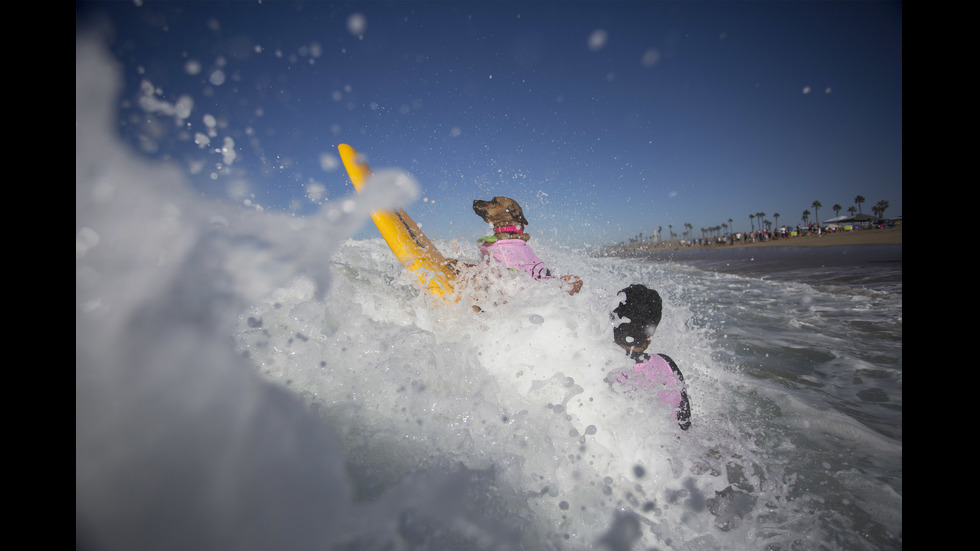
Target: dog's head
(500,212)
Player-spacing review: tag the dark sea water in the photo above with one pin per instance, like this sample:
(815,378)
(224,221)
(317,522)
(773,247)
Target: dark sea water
(876,267)
(816,335)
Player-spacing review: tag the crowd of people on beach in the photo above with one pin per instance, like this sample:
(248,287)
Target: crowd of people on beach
(783,232)
(751,237)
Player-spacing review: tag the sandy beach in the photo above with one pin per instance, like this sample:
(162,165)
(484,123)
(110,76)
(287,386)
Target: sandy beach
(886,236)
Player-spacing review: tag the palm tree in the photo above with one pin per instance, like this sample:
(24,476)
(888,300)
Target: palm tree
(816,210)
(730,224)
(858,200)
(836,208)
(879,208)
(850,210)
(751,224)
(776,217)
(806,216)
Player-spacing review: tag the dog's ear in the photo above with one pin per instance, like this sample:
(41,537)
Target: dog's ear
(513,209)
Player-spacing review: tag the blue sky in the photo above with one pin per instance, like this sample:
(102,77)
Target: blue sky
(605,120)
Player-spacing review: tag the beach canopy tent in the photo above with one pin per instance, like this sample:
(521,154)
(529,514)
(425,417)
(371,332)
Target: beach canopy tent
(850,219)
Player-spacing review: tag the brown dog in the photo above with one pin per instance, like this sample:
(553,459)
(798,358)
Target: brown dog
(508,244)
(505,215)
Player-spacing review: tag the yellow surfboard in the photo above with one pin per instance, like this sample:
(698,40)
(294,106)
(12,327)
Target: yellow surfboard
(412,248)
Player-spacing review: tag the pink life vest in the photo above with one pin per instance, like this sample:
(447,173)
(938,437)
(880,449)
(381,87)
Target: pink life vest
(654,374)
(515,254)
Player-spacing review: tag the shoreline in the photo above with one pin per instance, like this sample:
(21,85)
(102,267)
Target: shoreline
(885,236)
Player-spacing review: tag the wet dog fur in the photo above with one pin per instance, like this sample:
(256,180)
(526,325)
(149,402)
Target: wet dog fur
(502,213)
